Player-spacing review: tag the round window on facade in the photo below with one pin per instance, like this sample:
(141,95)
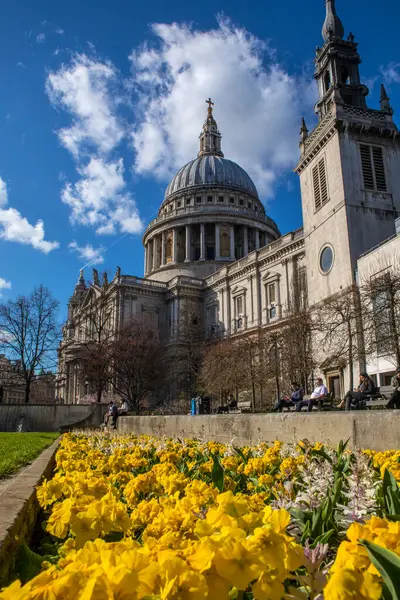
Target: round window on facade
(326,259)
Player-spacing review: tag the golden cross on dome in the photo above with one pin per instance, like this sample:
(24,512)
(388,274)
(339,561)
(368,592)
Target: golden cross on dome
(210,105)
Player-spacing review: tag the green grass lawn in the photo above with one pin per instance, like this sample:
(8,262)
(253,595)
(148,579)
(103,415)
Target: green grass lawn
(20,449)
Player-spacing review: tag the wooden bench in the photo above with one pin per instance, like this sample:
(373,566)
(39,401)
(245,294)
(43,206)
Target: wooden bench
(375,399)
(244,406)
(323,404)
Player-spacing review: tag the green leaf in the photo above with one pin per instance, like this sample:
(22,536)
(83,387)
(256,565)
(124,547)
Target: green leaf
(323,538)
(28,564)
(242,456)
(388,565)
(326,510)
(389,481)
(217,473)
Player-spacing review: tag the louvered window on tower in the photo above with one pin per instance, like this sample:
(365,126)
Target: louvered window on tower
(320,184)
(373,167)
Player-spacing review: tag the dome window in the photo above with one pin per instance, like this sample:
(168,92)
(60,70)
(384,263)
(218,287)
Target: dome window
(170,207)
(179,204)
(198,199)
(187,201)
(209,198)
(232,200)
(221,198)
(241,202)
(249,204)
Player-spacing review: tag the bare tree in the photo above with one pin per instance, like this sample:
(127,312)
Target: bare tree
(297,359)
(338,323)
(271,359)
(380,295)
(29,333)
(221,372)
(185,355)
(96,337)
(138,363)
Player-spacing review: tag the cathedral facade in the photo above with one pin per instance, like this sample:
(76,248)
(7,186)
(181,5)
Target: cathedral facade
(213,245)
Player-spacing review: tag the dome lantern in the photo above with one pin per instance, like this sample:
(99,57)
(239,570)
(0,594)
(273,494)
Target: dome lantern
(210,137)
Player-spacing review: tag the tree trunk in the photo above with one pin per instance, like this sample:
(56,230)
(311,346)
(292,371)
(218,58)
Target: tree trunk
(99,393)
(27,391)
(351,370)
(253,396)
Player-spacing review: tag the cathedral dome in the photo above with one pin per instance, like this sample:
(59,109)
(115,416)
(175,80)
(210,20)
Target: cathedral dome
(209,169)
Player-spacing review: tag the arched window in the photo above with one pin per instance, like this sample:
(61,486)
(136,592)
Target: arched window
(327,81)
(344,75)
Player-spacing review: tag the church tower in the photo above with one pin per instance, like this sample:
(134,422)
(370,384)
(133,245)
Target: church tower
(349,166)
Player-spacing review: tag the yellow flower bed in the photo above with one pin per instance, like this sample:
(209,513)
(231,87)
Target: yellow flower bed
(146,518)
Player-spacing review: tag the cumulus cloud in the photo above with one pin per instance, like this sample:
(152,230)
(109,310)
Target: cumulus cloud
(100,199)
(85,89)
(391,72)
(16,228)
(90,255)
(4,285)
(258,104)
(41,38)
(59,31)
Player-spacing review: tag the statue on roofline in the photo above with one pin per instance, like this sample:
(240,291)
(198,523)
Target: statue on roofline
(96,279)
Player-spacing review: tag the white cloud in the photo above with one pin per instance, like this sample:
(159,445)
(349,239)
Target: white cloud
(3,193)
(15,228)
(21,64)
(99,199)
(89,254)
(59,31)
(258,105)
(41,38)
(86,89)
(4,285)
(391,72)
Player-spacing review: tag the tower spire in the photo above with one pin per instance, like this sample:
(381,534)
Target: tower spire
(210,137)
(332,27)
(385,101)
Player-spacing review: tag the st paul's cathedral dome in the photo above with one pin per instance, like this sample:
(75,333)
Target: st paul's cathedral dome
(211,214)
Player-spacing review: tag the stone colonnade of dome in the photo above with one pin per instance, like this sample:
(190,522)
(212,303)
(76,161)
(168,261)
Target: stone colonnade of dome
(214,229)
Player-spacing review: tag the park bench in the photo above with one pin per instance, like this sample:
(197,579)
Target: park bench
(323,404)
(244,406)
(377,398)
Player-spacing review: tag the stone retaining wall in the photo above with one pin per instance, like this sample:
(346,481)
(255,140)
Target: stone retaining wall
(378,430)
(50,417)
(19,509)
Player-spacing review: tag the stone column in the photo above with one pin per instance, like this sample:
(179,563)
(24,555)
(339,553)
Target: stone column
(145,261)
(258,300)
(202,242)
(163,248)
(174,245)
(257,233)
(233,242)
(188,245)
(245,241)
(155,252)
(228,309)
(217,243)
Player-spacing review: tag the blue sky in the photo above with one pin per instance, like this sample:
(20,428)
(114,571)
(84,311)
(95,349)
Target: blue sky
(103,101)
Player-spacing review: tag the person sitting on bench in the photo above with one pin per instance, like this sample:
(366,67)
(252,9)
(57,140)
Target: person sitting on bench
(395,397)
(319,393)
(295,397)
(232,405)
(354,397)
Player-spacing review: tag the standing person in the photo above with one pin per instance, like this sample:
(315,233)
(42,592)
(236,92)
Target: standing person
(395,397)
(319,393)
(354,397)
(296,396)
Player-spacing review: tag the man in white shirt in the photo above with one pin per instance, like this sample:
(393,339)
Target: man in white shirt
(318,394)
